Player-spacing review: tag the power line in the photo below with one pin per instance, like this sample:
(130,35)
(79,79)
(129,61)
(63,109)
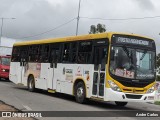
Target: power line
(49,30)
(116,19)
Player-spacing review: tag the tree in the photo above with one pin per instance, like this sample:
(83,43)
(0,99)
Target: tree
(100,28)
(158,66)
(93,29)
(158,60)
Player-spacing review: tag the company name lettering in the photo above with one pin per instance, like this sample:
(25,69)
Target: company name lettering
(132,41)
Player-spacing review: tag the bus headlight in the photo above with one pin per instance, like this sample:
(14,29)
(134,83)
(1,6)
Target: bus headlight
(114,86)
(151,89)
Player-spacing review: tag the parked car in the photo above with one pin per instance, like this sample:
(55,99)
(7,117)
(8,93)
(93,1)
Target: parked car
(4,66)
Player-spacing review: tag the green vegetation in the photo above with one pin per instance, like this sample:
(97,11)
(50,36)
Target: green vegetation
(158,60)
(158,78)
(158,67)
(100,28)
(157,102)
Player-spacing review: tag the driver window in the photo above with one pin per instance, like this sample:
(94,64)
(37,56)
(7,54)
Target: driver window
(122,59)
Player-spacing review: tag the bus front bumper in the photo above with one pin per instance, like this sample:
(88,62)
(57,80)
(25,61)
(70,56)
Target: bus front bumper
(111,95)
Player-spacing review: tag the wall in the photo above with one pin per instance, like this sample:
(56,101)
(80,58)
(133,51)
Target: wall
(157,95)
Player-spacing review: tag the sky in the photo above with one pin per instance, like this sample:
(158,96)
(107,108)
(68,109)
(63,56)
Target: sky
(40,19)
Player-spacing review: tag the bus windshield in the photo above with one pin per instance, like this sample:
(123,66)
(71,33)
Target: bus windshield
(132,63)
(6,61)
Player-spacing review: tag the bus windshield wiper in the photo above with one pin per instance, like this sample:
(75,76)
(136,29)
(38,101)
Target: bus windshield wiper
(143,55)
(126,51)
(130,56)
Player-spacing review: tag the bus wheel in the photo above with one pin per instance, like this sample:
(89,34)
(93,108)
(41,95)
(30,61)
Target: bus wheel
(80,92)
(121,103)
(31,84)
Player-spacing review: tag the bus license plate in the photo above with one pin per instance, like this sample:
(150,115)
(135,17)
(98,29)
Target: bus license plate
(150,97)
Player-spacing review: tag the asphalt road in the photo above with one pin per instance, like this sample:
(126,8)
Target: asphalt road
(24,100)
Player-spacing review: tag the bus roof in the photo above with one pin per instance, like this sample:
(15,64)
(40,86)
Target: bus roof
(74,38)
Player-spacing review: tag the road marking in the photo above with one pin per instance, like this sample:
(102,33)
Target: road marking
(28,108)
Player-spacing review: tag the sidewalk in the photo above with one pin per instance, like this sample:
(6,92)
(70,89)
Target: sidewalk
(5,107)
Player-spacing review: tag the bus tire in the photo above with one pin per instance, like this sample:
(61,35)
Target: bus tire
(80,92)
(31,84)
(121,103)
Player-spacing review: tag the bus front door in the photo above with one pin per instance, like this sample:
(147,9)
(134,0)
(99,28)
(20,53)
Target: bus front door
(99,60)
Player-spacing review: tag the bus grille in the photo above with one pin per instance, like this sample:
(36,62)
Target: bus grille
(140,84)
(137,91)
(130,90)
(127,90)
(133,96)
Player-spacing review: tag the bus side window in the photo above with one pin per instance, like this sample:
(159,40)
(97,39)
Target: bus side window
(37,52)
(66,53)
(30,54)
(34,53)
(84,52)
(24,53)
(73,52)
(54,55)
(15,54)
(44,53)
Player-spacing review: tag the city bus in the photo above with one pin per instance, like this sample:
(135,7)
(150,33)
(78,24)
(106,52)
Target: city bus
(105,67)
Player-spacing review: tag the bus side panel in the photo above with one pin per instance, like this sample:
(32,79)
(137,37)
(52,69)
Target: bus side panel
(62,85)
(14,68)
(39,72)
(42,79)
(24,78)
(51,84)
(41,83)
(67,74)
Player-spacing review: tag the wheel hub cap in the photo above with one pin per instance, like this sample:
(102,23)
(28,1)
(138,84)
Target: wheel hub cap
(80,92)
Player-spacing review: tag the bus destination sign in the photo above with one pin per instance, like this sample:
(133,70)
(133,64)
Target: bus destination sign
(132,41)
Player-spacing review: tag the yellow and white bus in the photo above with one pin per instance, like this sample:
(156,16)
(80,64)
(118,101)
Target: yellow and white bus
(108,66)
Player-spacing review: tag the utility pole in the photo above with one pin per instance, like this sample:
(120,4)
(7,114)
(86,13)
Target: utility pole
(78,17)
(2,27)
(1,30)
